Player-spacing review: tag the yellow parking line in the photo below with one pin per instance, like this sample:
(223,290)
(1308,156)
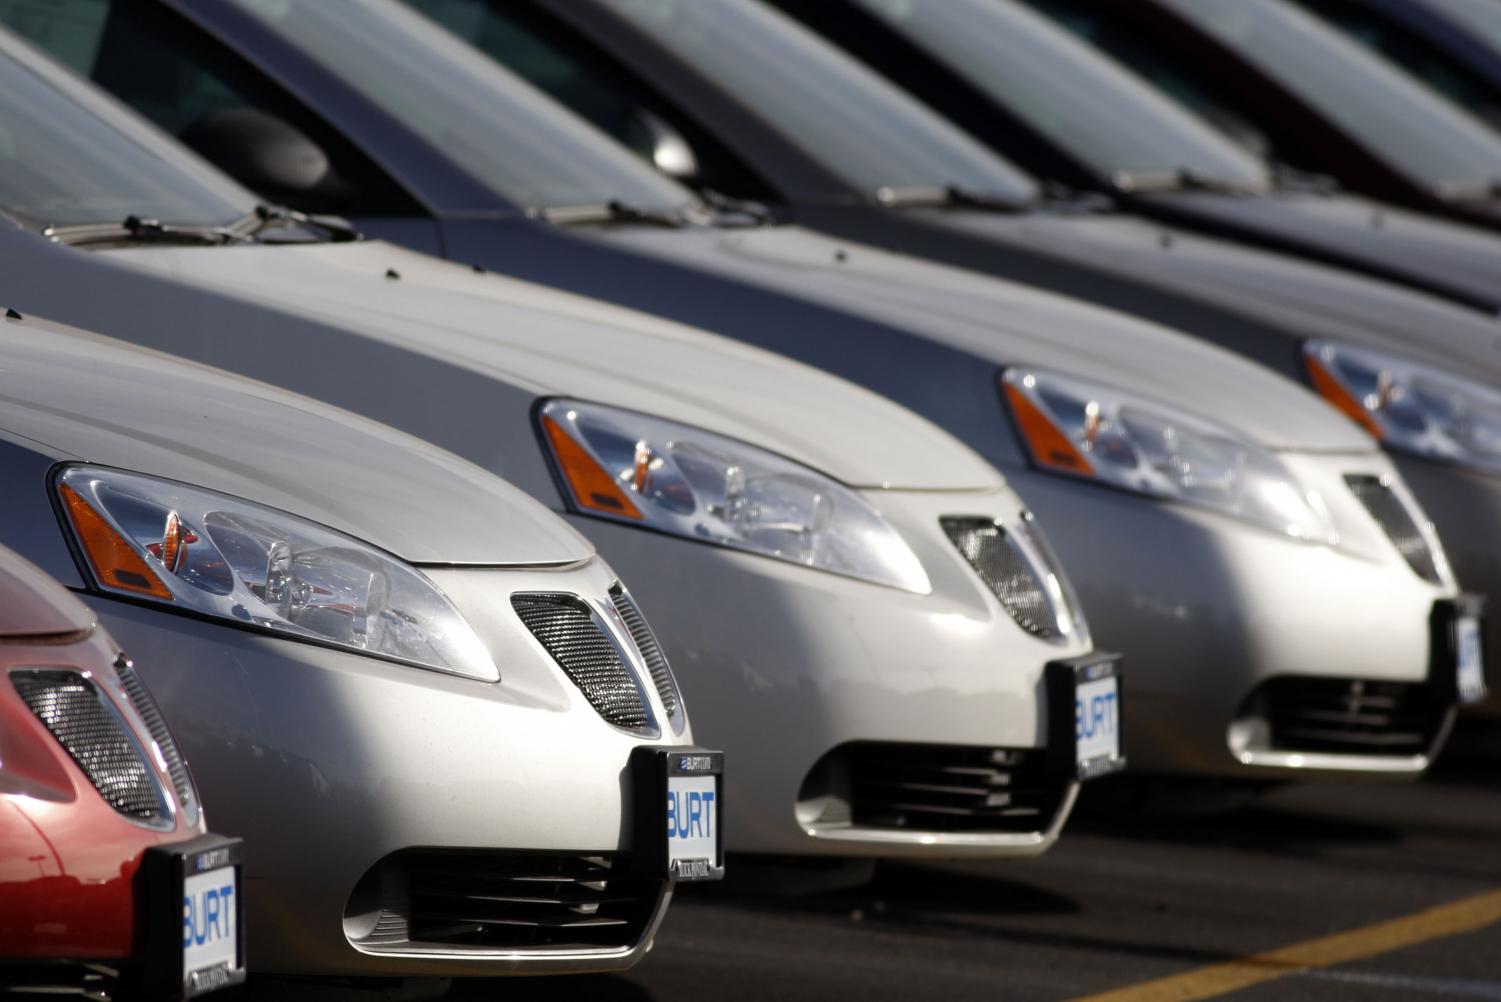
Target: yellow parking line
(1465,915)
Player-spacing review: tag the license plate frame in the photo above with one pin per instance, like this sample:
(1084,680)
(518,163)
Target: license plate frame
(660,773)
(1459,645)
(169,872)
(1067,751)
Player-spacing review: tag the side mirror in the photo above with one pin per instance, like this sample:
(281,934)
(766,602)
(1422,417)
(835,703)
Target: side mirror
(666,147)
(267,155)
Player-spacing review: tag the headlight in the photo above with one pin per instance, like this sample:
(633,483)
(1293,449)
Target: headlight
(693,483)
(1408,405)
(1085,430)
(259,567)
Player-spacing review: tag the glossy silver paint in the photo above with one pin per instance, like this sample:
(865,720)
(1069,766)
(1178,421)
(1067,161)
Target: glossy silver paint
(326,760)
(461,359)
(846,660)
(1229,624)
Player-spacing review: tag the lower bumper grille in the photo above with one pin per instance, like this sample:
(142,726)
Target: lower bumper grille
(547,902)
(938,788)
(1349,716)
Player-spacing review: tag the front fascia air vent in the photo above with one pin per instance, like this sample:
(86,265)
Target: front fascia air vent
(93,733)
(1021,573)
(1402,525)
(651,653)
(151,716)
(581,643)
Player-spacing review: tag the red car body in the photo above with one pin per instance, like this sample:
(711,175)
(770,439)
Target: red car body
(81,799)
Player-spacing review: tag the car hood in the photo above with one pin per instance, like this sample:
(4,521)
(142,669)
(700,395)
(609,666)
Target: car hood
(84,397)
(33,605)
(558,344)
(1445,256)
(1011,324)
(1303,299)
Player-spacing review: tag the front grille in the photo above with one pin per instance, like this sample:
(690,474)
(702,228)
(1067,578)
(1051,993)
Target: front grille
(1349,716)
(73,709)
(140,697)
(938,788)
(1006,572)
(521,901)
(1398,523)
(564,625)
(651,651)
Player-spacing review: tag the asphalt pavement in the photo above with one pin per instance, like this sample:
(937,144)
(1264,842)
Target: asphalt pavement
(1333,892)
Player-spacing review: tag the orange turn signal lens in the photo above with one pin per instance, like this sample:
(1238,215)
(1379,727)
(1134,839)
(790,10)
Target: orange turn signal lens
(1049,446)
(1334,393)
(592,486)
(113,560)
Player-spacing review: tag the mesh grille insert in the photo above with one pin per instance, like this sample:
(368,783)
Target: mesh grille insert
(72,708)
(651,651)
(1349,716)
(1005,572)
(140,697)
(490,900)
(1398,524)
(566,627)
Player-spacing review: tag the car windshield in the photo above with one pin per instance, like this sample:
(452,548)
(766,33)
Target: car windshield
(1481,18)
(1085,102)
(1378,104)
(63,164)
(855,123)
(1428,62)
(498,128)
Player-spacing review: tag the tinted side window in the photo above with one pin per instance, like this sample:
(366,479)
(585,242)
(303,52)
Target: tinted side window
(188,84)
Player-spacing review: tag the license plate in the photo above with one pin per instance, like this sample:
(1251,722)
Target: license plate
(678,831)
(1097,720)
(1471,661)
(1084,715)
(195,938)
(692,826)
(210,930)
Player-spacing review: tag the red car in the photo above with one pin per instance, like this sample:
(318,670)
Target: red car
(108,879)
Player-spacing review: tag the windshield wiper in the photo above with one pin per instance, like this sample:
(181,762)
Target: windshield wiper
(754,213)
(1059,197)
(266,217)
(1477,190)
(1289,178)
(613,211)
(948,196)
(1176,179)
(135,229)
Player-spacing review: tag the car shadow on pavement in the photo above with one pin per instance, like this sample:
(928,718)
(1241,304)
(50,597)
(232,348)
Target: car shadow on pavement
(588,988)
(1241,817)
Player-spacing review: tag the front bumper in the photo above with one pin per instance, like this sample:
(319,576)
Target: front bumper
(1462,503)
(336,767)
(789,669)
(1208,609)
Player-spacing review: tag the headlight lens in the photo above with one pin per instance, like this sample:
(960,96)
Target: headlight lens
(643,470)
(256,566)
(1408,405)
(1081,429)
